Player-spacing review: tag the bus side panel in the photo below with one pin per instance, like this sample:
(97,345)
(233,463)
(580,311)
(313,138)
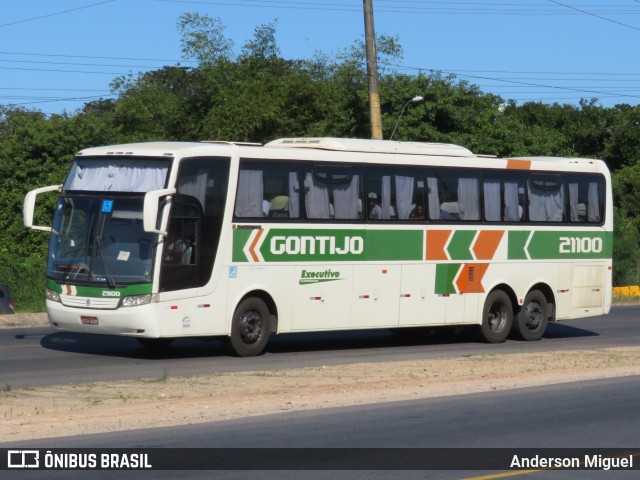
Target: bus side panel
(419,305)
(322,297)
(376,295)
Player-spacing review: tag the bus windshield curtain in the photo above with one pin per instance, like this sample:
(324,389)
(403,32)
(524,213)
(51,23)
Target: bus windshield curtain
(116,176)
(249,196)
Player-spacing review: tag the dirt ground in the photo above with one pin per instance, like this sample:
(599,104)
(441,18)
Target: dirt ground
(47,412)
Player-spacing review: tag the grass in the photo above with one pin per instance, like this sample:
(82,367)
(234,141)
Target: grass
(161,379)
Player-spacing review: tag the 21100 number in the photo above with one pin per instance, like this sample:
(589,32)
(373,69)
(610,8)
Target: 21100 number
(580,245)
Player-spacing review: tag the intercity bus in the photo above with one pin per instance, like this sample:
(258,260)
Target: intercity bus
(160,241)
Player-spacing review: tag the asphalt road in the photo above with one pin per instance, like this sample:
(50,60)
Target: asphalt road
(39,356)
(590,415)
(581,415)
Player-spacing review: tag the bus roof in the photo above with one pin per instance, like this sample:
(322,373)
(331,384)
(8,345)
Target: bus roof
(373,146)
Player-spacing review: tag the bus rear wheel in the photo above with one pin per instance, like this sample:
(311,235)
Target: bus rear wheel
(250,328)
(497,317)
(532,319)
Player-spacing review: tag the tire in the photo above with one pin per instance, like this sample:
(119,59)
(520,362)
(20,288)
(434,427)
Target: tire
(497,318)
(532,320)
(250,328)
(157,344)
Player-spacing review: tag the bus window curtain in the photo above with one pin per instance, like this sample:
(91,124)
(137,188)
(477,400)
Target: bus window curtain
(545,205)
(387,209)
(434,198)
(294,195)
(468,199)
(573,202)
(404,196)
(194,185)
(512,208)
(492,200)
(316,198)
(345,198)
(250,194)
(593,209)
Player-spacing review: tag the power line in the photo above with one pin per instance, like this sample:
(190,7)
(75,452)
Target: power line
(594,15)
(54,14)
(513,9)
(95,57)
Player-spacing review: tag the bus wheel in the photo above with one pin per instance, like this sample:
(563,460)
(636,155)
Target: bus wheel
(250,328)
(531,321)
(155,343)
(497,317)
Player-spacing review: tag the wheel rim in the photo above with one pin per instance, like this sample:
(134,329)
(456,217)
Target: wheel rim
(534,315)
(497,317)
(250,327)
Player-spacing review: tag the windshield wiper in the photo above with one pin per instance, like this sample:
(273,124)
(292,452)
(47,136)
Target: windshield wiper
(100,255)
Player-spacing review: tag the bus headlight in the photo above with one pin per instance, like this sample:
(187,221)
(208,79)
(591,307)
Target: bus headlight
(137,300)
(53,296)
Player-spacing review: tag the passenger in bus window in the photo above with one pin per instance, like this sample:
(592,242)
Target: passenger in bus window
(375,210)
(417,213)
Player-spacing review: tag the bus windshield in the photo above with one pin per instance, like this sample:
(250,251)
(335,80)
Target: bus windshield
(99,239)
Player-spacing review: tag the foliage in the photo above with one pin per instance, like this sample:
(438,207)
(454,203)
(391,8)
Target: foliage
(256,95)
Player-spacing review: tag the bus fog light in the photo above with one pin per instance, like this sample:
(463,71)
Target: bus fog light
(136,300)
(53,296)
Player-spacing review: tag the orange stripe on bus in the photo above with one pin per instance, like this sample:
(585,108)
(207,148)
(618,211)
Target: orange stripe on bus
(252,248)
(436,241)
(470,278)
(487,243)
(513,164)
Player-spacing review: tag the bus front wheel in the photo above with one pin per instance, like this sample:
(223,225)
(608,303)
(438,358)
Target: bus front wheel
(250,328)
(531,321)
(497,317)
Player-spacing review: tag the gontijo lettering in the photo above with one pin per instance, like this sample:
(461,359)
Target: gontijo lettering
(306,244)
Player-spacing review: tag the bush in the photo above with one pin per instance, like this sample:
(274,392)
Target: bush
(26,281)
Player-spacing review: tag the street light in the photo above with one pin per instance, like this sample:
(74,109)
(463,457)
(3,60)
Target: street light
(417,99)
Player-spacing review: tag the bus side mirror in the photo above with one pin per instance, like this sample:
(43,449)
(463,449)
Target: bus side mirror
(30,206)
(151,208)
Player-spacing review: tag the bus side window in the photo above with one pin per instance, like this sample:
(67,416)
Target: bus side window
(585,198)
(270,190)
(503,198)
(453,195)
(392,192)
(333,192)
(546,198)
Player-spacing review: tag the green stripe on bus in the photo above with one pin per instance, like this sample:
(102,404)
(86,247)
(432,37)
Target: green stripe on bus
(445,277)
(517,242)
(99,292)
(362,245)
(460,245)
(555,245)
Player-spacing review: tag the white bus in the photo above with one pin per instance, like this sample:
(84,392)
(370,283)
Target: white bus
(159,241)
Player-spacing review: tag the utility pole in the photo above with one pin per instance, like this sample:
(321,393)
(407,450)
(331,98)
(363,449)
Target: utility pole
(372,71)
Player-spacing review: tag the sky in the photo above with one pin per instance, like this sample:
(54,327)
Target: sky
(56,55)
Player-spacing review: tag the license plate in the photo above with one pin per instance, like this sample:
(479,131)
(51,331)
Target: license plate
(89,320)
